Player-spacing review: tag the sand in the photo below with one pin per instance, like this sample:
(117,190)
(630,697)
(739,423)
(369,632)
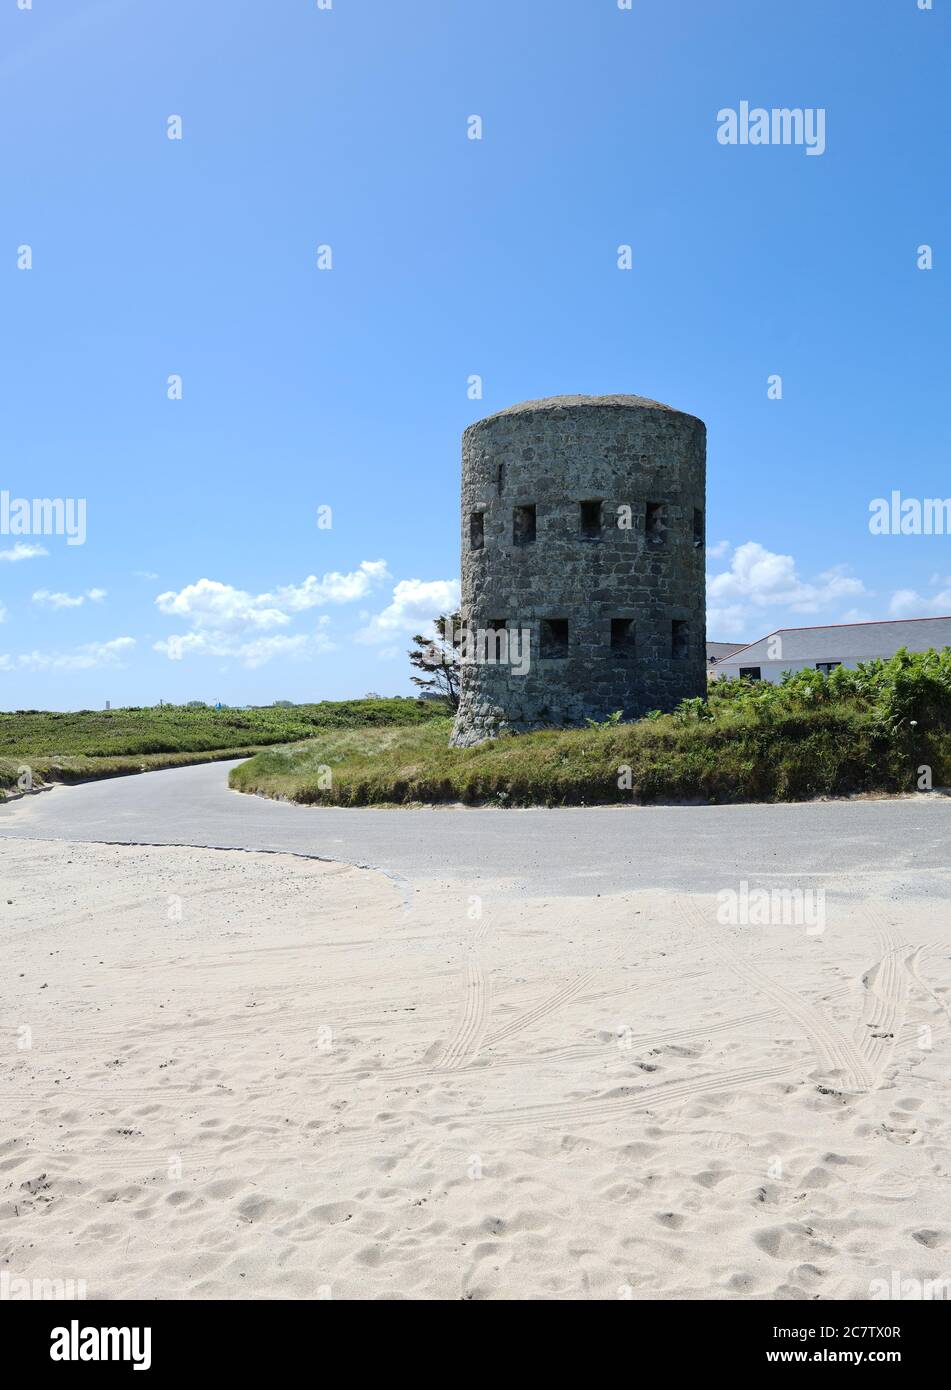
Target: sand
(244,1075)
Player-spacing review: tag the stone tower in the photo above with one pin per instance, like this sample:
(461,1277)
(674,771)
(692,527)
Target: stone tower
(582,533)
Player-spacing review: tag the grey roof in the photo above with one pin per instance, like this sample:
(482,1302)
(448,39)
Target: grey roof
(554,403)
(847,641)
(717,650)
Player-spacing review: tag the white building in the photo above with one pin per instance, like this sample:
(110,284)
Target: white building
(824,648)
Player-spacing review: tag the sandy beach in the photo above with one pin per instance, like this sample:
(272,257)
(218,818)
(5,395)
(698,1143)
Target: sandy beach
(253,1075)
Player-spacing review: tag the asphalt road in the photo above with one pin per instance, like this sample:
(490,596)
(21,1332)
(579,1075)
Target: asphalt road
(889,847)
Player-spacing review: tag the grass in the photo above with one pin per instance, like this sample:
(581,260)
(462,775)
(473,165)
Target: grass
(651,760)
(76,746)
(866,730)
(869,730)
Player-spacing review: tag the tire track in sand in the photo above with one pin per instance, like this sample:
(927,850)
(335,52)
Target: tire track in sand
(542,1009)
(611,1107)
(913,966)
(465,1042)
(836,1053)
(886,997)
(464,1045)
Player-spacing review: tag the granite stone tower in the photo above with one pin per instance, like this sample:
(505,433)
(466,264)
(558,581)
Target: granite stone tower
(583,536)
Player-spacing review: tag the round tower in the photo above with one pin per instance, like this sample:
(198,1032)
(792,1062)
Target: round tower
(582,563)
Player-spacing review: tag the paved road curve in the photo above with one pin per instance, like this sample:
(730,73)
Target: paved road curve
(888,847)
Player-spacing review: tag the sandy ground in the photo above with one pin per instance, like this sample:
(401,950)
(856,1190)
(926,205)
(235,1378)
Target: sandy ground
(240,1075)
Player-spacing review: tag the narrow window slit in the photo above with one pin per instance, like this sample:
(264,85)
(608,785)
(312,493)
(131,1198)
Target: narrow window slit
(655,523)
(495,638)
(554,638)
(591,521)
(623,636)
(523,525)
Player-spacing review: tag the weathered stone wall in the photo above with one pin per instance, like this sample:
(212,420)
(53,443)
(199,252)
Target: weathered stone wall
(626,453)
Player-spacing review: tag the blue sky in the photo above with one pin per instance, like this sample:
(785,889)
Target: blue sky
(204,573)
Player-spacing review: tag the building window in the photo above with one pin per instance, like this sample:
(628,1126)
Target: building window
(622,636)
(679,638)
(493,641)
(697,528)
(655,523)
(523,525)
(477,530)
(591,521)
(826,666)
(554,638)
(751,673)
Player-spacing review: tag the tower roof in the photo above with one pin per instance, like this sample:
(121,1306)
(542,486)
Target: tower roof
(551,404)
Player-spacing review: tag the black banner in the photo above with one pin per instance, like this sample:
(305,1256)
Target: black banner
(167,1340)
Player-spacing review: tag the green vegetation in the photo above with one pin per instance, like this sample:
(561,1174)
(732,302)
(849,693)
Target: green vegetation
(102,743)
(867,730)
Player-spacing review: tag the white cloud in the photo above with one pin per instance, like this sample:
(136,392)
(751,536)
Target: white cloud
(252,653)
(759,578)
(232,623)
(414,604)
(729,622)
(22,552)
(79,659)
(221,608)
(716,552)
(333,588)
(46,599)
(908,603)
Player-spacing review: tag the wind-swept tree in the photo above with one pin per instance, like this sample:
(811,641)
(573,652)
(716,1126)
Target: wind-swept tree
(439,659)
